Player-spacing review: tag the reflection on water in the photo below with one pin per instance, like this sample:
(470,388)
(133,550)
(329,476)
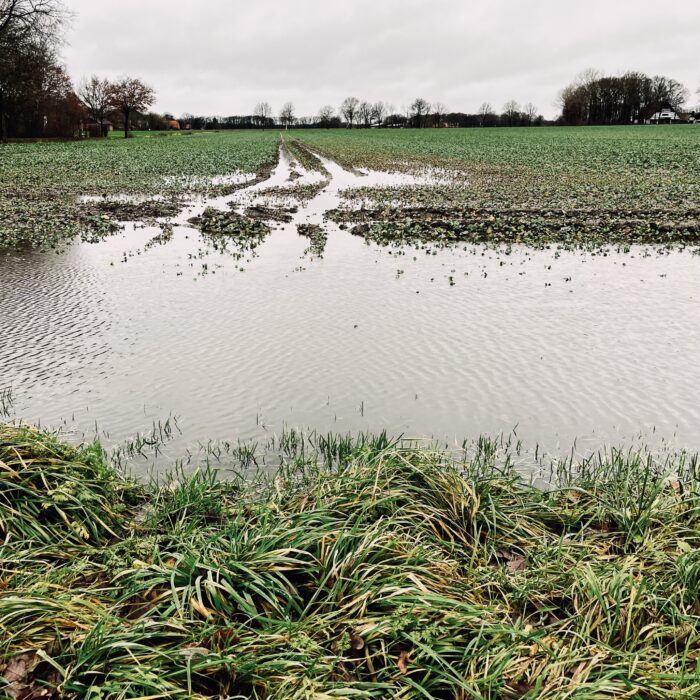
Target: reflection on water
(447,343)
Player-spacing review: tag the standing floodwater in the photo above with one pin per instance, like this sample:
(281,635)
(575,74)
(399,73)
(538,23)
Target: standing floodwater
(439,343)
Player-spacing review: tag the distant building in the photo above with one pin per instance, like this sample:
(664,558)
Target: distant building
(173,124)
(97,129)
(665,114)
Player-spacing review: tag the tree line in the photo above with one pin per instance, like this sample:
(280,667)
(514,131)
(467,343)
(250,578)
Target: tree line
(354,114)
(633,97)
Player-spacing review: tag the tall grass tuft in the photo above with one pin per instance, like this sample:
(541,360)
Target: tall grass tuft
(361,568)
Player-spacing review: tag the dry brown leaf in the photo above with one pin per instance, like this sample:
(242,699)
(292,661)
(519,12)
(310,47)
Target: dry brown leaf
(516,564)
(18,676)
(403,662)
(19,667)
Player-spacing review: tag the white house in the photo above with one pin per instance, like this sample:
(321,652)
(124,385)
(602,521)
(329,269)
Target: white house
(665,115)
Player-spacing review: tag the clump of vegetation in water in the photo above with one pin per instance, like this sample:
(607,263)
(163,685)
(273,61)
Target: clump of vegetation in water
(264,213)
(317,235)
(366,569)
(221,228)
(538,229)
(138,211)
(301,192)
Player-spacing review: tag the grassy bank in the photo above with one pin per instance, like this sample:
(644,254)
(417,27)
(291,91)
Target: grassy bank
(367,569)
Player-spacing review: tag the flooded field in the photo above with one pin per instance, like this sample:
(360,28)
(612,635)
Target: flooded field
(295,322)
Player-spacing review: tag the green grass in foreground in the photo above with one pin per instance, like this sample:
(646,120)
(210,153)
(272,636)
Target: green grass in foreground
(368,570)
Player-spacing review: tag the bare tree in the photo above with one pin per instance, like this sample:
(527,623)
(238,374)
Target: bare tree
(530,112)
(349,109)
(130,95)
(379,112)
(364,113)
(326,115)
(95,94)
(39,17)
(287,115)
(419,111)
(262,113)
(439,111)
(511,111)
(485,112)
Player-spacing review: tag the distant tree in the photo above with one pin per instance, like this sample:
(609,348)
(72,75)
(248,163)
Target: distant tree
(348,109)
(594,98)
(326,115)
(262,114)
(419,111)
(511,113)
(364,113)
(530,112)
(156,122)
(669,90)
(186,120)
(95,94)
(287,115)
(129,95)
(439,111)
(485,114)
(379,112)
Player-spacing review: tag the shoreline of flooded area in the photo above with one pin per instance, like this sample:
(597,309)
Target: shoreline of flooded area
(564,347)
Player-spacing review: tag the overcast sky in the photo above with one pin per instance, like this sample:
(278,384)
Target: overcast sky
(221,57)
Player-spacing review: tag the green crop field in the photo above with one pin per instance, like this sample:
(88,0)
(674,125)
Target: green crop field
(577,186)
(574,186)
(40,183)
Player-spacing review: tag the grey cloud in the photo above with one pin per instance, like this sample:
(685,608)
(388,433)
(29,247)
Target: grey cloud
(225,56)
